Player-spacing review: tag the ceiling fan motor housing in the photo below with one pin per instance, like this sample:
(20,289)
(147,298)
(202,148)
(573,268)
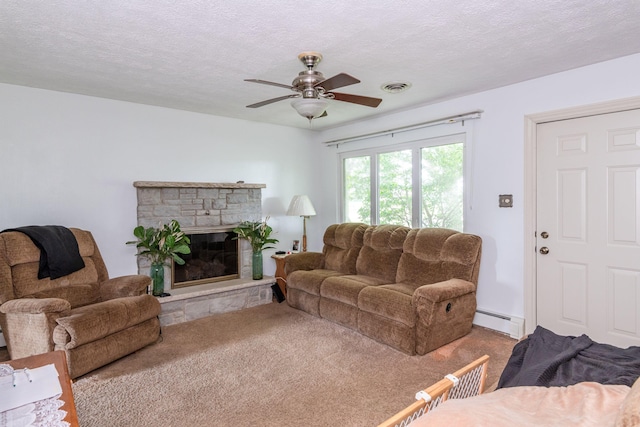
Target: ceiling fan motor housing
(306,81)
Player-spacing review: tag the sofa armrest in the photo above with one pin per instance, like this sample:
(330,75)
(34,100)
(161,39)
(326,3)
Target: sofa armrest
(303,261)
(35,306)
(444,312)
(28,324)
(441,291)
(124,286)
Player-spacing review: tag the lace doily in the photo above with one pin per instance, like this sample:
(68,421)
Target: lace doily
(42,413)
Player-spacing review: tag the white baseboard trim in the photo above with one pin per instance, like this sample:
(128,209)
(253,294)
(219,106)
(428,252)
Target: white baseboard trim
(514,326)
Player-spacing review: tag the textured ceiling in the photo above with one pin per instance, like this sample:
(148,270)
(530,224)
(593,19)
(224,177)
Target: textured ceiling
(194,55)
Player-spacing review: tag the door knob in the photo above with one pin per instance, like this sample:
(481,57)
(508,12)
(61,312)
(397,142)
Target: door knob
(544,235)
(544,250)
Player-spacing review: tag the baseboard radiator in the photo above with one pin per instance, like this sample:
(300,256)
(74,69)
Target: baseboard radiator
(514,326)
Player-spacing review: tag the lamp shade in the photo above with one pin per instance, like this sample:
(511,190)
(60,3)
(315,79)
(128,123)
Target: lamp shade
(309,107)
(301,206)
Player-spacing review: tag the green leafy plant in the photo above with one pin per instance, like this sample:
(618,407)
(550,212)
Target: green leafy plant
(257,233)
(163,243)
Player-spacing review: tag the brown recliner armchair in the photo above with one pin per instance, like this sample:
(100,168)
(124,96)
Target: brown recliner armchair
(94,319)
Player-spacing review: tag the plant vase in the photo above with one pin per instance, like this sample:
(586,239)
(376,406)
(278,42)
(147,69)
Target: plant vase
(156,273)
(256,264)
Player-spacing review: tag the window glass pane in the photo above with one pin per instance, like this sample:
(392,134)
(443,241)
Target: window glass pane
(442,186)
(394,195)
(357,189)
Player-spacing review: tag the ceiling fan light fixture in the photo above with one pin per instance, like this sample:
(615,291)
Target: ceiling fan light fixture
(310,108)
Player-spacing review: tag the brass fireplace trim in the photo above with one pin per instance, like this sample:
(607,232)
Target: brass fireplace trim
(208,230)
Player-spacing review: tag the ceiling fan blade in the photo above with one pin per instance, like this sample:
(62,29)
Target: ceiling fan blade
(265,82)
(357,99)
(272,100)
(339,80)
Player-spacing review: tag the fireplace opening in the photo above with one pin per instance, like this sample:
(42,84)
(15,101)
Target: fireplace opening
(213,258)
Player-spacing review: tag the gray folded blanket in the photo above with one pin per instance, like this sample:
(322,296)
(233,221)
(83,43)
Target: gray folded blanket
(547,359)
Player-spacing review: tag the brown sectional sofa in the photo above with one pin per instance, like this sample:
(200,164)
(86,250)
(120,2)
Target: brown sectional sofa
(412,289)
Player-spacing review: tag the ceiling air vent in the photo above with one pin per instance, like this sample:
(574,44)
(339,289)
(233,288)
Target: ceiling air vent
(395,87)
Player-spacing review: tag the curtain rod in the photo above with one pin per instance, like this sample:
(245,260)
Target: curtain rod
(445,120)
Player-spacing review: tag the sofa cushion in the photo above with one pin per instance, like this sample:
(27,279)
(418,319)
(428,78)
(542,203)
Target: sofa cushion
(309,281)
(90,323)
(432,255)
(342,243)
(346,288)
(76,295)
(381,250)
(390,301)
(79,288)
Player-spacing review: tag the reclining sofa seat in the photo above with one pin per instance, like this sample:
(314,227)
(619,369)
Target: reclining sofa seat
(412,289)
(433,300)
(376,265)
(94,319)
(306,271)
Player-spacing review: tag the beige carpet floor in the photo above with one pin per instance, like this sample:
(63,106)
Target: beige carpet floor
(270,366)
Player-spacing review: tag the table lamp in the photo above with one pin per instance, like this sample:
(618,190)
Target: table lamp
(301,206)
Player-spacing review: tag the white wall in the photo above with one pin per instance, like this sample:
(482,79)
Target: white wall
(498,150)
(71,160)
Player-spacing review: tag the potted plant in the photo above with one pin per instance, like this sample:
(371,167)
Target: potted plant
(160,245)
(257,233)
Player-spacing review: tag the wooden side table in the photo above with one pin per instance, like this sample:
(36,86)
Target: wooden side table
(281,276)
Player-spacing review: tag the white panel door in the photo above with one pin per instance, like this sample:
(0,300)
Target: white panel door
(588,227)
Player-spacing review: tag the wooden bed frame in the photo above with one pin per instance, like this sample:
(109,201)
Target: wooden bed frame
(466,382)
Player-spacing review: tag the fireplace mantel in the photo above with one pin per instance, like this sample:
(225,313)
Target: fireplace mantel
(165,184)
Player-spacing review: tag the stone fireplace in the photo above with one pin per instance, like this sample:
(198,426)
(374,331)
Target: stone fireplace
(205,209)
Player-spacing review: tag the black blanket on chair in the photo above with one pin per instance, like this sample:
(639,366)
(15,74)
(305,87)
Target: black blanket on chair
(59,253)
(547,359)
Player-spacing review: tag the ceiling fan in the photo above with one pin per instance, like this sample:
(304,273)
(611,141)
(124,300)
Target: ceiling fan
(312,90)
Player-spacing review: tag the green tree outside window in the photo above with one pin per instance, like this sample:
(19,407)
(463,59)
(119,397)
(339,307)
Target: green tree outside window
(440,186)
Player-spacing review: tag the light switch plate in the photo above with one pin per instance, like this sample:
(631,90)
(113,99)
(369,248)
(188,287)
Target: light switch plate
(505,200)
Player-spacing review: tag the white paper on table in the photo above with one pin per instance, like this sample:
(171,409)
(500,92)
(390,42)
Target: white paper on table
(30,385)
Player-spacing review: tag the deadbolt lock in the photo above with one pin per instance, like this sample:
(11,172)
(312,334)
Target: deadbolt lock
(544,235)
(544,250)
